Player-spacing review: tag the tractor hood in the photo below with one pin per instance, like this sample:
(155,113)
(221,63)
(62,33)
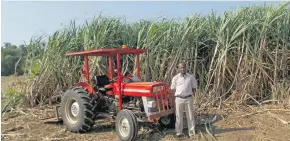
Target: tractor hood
(146,83)
(138,88)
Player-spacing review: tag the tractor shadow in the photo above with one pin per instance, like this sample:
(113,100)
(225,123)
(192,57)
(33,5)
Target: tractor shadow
(103,125)
(155,132)
(225,130)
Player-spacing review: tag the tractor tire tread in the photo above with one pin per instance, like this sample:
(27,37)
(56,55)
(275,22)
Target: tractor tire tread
(89,111)
(88,126)
(85,96)
(89,119)
(134,122)
(88,104)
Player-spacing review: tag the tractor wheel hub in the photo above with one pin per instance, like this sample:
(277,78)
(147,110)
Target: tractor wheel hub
(75,109)
(124,127)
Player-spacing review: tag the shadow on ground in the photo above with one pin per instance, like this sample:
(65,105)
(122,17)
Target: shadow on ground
(155,132)
(220,131)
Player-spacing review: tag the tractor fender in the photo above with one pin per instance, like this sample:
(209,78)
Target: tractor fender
(87,87)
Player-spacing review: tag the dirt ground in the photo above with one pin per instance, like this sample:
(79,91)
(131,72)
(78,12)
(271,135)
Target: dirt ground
(243,123)
(235,123)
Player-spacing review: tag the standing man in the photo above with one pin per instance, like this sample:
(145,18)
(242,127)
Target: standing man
(184,85)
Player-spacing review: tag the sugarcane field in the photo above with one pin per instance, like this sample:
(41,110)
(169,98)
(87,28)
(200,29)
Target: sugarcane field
(202,76)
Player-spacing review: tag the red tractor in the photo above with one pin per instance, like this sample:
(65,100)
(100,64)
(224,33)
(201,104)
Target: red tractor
(125,99)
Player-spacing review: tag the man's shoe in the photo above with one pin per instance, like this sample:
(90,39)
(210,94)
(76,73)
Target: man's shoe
(192,133)
(178,135)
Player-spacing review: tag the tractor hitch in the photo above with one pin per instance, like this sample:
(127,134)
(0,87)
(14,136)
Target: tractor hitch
(56,119)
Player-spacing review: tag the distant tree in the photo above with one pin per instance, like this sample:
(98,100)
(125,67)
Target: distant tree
(7,44)
(11,55)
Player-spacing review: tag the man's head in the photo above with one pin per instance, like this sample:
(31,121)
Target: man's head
(182,68)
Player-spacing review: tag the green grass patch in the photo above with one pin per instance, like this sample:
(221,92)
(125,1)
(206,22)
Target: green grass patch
(11,99)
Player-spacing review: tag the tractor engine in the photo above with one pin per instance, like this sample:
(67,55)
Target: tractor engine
(133,103)
(105,103)
(109,103)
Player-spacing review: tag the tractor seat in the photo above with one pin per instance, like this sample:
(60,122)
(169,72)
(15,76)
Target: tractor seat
(108,89)
(105,88)
(101,80)
(102,89)
(103,84)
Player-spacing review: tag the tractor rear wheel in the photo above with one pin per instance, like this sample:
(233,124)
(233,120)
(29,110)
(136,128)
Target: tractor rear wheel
(76,110)
(167,121)
(126,125)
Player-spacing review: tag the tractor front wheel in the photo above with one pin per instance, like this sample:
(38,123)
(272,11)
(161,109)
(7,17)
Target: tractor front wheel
(126,125)
(76,110)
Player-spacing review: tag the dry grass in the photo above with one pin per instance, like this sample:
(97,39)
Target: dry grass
(12,92)
(11,82)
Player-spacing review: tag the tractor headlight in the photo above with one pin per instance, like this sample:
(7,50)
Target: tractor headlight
(151,104)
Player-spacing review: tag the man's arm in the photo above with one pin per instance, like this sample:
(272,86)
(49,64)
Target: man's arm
(173,85)
(193,91)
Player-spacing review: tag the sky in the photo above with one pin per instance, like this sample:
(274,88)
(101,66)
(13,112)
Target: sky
(20,20)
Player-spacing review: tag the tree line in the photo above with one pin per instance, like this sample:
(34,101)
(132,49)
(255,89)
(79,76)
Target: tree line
(16,59)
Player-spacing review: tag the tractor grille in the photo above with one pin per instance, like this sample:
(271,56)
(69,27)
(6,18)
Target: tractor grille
(163,98)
